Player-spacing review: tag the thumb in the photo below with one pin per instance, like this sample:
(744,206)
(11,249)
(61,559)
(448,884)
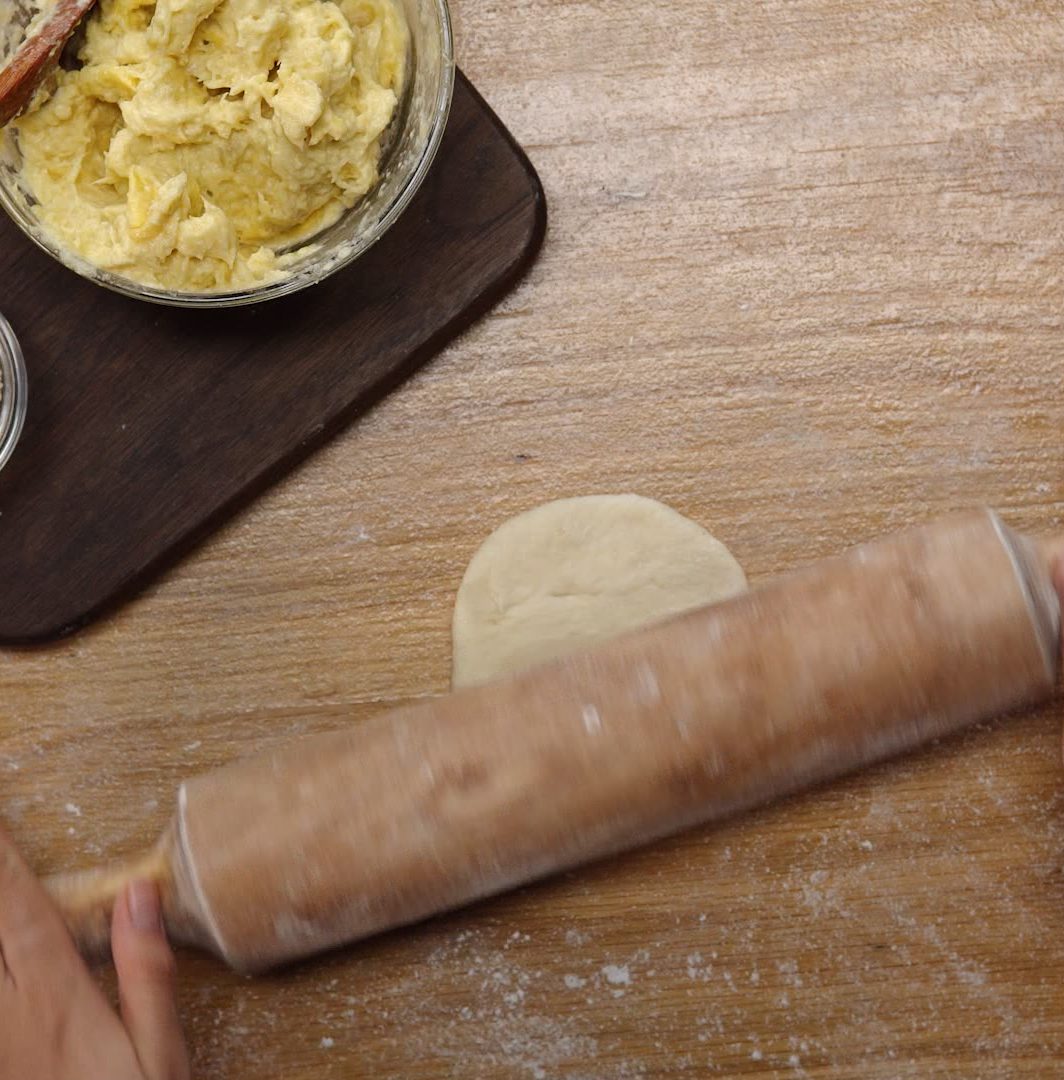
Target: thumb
(146,968)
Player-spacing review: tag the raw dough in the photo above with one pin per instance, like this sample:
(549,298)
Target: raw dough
(200,137)
(575,572)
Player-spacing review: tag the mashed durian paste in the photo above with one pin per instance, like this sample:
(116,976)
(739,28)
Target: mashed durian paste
(200,138)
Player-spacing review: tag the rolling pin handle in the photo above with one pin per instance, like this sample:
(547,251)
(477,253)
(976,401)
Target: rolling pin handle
(87,900)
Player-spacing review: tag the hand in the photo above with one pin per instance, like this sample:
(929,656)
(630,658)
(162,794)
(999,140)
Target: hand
(55,1023)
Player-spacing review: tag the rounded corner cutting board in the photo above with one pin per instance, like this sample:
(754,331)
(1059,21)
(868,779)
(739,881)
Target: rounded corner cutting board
(148,426)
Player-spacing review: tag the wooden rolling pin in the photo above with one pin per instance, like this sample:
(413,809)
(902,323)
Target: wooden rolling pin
(426,808)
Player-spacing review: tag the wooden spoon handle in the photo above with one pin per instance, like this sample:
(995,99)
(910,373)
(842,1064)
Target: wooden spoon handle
(37,55)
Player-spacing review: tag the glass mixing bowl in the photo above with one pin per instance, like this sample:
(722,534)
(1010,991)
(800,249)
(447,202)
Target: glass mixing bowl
(12,391)
(411,145)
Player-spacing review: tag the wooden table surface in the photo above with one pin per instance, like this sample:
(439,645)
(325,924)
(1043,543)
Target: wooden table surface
(804,283)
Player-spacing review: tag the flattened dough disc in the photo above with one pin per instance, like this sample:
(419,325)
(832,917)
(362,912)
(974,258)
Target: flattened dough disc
(575,572)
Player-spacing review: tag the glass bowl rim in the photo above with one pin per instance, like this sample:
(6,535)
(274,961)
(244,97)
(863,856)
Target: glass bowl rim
(13,393)
(308,275)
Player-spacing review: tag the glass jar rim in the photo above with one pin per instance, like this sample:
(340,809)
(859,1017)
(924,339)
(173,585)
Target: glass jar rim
(13,390)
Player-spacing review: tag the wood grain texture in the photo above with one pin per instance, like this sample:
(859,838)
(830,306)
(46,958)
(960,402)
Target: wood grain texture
(803,283)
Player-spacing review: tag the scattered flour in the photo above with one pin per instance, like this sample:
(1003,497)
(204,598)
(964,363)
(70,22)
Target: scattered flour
(617,975)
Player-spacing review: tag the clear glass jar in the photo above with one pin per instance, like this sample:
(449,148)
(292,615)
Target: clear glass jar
(412,144)
(13,391)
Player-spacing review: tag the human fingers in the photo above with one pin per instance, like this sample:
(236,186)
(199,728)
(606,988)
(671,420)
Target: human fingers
(32,931)
(146,968)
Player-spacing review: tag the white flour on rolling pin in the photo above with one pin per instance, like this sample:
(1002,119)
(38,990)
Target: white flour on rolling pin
(575,572)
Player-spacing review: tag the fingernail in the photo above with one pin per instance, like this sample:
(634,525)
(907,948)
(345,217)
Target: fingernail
(144,910)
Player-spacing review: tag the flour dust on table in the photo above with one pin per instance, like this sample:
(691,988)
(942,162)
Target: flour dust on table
(574,572)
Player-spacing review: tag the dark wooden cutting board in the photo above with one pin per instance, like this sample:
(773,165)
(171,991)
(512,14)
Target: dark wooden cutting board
(149,426)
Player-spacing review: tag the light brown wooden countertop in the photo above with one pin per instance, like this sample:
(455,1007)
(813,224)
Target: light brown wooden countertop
(804,282)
